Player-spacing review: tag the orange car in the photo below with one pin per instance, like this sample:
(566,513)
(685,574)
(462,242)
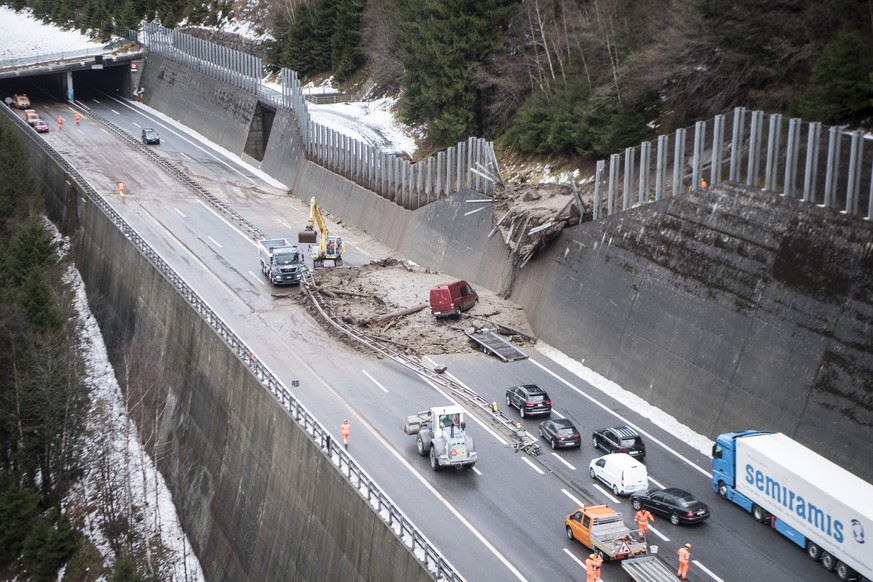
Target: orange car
(21,101)
(30,116)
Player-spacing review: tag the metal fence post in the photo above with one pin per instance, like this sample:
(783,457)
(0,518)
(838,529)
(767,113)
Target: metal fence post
(717,149)
(810,174)
(628,184)
(678,161)
(792,150)
(597,209)
(661,166)
(614,161)
(697,155)
(755,148)
(853,185)
(645,154)
(774,141)
(832,168)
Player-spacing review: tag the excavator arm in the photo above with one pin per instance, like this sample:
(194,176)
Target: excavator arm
(309,235)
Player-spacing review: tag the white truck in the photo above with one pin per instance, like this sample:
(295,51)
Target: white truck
(280,261)
(441,435)
(815,503)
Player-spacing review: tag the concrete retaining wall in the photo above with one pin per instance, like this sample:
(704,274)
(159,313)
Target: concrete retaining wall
(258,499)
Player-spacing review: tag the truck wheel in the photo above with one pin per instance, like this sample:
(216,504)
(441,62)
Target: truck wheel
(570,533)
(813,551)
(759,514)
(433,460)
(722,489)
(674,519)
(420,446)
(635,503)
(828,562)
(845,573)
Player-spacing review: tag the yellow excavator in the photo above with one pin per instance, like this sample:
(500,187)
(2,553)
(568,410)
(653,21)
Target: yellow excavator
(329,247)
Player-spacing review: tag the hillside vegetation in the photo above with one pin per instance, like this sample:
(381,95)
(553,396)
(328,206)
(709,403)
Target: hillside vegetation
(577,78)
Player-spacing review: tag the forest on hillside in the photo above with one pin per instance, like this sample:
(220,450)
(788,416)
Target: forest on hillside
(555,77)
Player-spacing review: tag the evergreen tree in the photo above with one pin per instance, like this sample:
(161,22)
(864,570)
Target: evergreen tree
(47,547)
(124,570)
(346,55)
(19,508)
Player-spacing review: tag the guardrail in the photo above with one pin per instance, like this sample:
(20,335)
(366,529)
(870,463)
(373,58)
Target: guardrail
(387,510)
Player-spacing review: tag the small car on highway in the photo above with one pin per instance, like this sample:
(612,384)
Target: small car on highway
(41,126)
(560,433)
(150,136)
(30,116)
(677,504)
(530,399)
(21,101)
(619,439)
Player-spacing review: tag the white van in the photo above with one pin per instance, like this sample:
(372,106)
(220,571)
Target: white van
(621,472)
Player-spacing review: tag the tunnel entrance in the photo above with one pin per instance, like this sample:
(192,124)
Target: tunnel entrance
(259,132)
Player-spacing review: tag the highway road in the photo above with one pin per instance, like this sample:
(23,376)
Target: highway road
(501,521)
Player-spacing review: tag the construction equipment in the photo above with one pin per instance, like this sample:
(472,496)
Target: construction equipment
(329,247)
(442,436)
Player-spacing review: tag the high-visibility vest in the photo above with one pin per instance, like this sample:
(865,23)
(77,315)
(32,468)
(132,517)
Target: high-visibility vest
(345,429)
(684,555)
(642,517)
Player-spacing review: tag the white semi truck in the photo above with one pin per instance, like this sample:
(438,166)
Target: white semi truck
(280,261)
(815,503)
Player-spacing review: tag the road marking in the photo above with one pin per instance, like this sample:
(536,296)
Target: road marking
(477,471)
(94,100)
(557,456)
(659,534)
(575,559)
(707,570)
(258,279)
(373,380)
(106,132)
(138,125)
(283,223)
(573,499)
(114,111)
(602,490)
(656,483)
(675,453)
(474,211)
(215,241)
(558,413)
(182,214)
(532,466)
(222,219)
(187,156)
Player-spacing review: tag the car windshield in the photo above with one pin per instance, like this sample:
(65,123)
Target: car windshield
(287,258)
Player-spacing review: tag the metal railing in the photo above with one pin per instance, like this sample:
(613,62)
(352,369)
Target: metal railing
(387,510)
(470,164)
(792,158)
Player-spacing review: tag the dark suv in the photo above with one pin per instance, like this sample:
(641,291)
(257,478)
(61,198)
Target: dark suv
(619,439)
(529,399)
(149,135)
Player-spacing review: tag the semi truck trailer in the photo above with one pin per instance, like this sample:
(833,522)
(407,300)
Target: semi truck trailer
(821,507)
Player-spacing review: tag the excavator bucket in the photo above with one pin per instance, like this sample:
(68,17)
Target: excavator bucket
(307,236)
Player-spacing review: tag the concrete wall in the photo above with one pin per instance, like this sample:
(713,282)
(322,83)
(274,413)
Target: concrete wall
(258,499)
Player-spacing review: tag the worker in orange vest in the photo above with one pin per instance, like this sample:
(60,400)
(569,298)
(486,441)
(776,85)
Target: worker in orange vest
(642,518)
(591,569)
(345,429)
(77,118)
(121,189)
(60,122)
(598,561)
(684,556)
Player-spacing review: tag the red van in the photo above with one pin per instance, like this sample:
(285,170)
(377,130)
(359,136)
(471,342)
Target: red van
(452,299)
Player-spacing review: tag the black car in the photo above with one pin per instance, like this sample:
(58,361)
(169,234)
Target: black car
(677,504)
(619,439)
(529,399)
(149,135)
(560,433)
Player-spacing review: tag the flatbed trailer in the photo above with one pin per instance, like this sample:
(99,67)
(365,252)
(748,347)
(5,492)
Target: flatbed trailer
(492,344)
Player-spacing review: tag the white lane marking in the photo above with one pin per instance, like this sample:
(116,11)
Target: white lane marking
(114,111)
(257,278)
(474,211)
(104,131)
(373,380)
(187,156)
(573,499)
(222,219)
(656,483)
(677,454)
(707,570)
(283,223)
(557,456)
(215,241)
(435,493)
(138,125)
(477,471)
(558,413)
(94,100)
(575,559)
(182,214)
(532,466)
(602,490)
(659,534)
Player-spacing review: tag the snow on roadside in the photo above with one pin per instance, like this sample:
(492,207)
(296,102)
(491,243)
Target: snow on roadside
(369,121)
(629,399)
(113,450)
